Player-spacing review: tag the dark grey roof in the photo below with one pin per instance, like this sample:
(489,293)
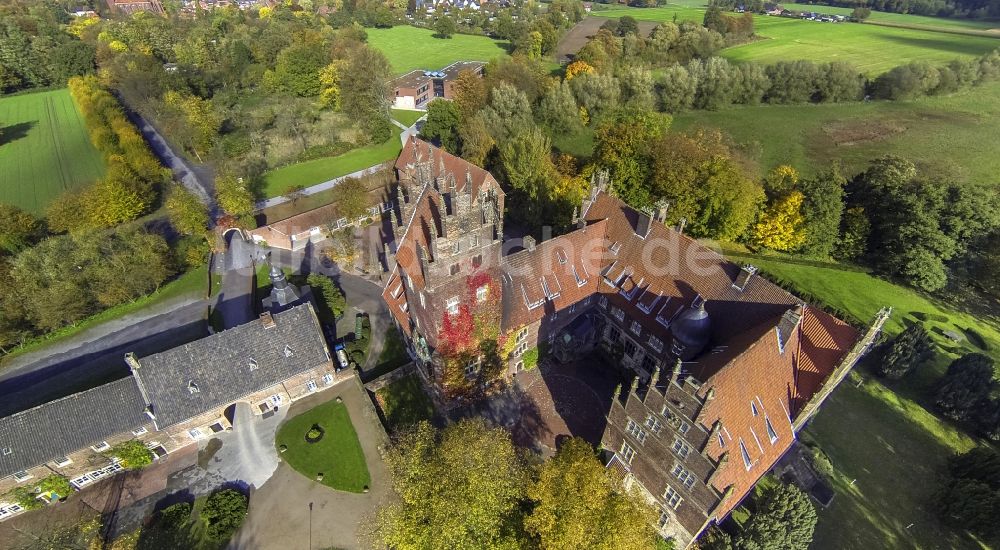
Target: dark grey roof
(60,427)
(218,368)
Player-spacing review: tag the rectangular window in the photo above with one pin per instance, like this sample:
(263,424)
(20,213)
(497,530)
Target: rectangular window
(63,461)
(655,343)
(771,434)
(684,427)
(139,431)
(457,247)
(100,447)
(482,292)
(653,424)
(454,269)
(327,379)
(686,477)
(636,327)
(681,448)
(636,431)
(614,334)
(474,240)
(672,497)
(746,456)
(22,476)
(628,453)
(477,260)
(194,433)
(452,305)
(618,313)
(664,518)
(603,301)
(311,385)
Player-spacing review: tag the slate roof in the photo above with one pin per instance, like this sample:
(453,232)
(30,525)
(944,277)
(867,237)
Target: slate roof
(66,425)
(219,367)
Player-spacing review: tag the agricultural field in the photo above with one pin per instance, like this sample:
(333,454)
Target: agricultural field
(873,49)
(409,48)
(44,149)
(809,137)
(869,421)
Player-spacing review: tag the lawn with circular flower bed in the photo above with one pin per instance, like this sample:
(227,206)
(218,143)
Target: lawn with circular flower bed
(321,444)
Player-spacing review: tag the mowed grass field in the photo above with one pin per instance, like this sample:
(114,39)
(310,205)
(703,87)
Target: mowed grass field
(956,135)
(409,48)
(902,18)
(873,49)
(44,149)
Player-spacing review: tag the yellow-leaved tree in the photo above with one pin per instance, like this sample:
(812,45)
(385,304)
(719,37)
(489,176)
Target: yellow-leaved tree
(578,67)
(782,226)
(577,504)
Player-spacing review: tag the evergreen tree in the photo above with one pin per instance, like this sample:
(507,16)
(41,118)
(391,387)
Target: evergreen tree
(970,498)
(784,519)
(912,348)
(967,384)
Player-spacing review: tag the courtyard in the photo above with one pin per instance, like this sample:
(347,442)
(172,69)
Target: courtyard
(548,404)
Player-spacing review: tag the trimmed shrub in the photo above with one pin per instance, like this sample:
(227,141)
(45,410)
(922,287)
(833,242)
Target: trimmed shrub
(223,514)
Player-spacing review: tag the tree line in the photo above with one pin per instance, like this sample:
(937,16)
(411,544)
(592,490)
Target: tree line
(693,77)
(134,175)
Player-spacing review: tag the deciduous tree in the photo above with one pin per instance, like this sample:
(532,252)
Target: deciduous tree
(442,123)
(188,214)
(458,488)
(578,505)
(18,229)
(782,226)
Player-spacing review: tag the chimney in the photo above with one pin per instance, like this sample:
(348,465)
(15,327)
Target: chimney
(529,243)
(131,361)
(661,211)
(266,320)
(643,225)
(716,428)
(787,325)
(390,258)
(680,225)
(744,276)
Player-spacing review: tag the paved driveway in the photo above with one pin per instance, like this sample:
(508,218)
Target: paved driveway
(247,454)
(292,512)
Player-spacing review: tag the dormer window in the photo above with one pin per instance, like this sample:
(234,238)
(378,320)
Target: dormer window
(636,327)
(193,387)
(561,256)
(288,351)
(753,408)
(746,456)
(252,363)
(771,434)
(7,451)
(615,248)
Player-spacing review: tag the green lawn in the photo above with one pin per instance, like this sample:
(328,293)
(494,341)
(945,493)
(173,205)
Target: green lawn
(404,402)
(882,434)
(193,283)
(409,48)
(277,182)
(960,128)
(44,149)
(872,49)
(887,454)
(406,116)
(338,455)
